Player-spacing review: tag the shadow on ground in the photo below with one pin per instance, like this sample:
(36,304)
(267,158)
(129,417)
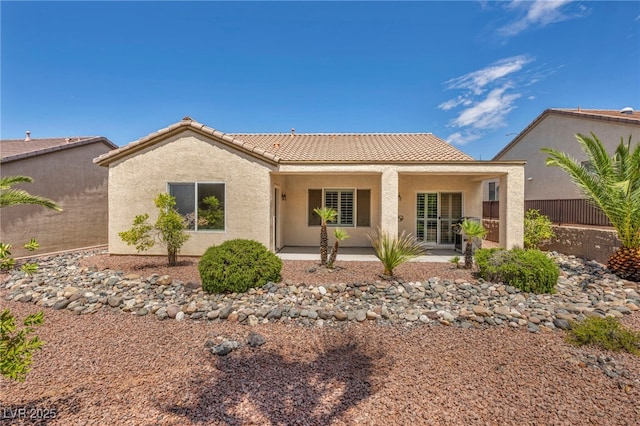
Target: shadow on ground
(264,386)
(40,411)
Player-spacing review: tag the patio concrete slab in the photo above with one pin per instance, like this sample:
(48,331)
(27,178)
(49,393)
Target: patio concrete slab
(360,254)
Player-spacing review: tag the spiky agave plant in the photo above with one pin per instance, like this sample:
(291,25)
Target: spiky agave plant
(393,252)
(612,183)
(327,214)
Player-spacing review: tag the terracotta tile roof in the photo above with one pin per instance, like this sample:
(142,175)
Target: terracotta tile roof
(614,116)
(316,148)
(16,149)
(356,147)
(631,117)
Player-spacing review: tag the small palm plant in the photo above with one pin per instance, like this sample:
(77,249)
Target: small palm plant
(611,183)
(393,252)
(340,235)
(327,214)
(473,230)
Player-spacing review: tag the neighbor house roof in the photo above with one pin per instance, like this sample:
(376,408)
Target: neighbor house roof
(17,149)
(614,116)
(313,148)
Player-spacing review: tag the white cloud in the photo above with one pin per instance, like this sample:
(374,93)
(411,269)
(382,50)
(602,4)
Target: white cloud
(452,103)
(485,97)
(538,13)
(477,80)
(490,112)
(488,95)
(462,138)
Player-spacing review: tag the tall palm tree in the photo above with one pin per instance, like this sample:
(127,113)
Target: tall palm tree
(473,230)
(612,183)
(12,197)
(327,214)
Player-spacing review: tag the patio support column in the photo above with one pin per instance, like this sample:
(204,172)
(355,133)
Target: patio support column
(512,208)
(389,202)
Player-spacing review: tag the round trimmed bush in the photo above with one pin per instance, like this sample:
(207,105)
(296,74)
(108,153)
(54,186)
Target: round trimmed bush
(529,270)
(237,265)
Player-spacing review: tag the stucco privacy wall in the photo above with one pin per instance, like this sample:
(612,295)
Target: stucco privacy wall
(188,156)
(70,178)
(588,243)
(558,132)
(297,232)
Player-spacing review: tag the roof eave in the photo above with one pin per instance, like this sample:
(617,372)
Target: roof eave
(106,159)
(408,162)
(57,148)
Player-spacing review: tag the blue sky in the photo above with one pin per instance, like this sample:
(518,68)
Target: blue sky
(474,73)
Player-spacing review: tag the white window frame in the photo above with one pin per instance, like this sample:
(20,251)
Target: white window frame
(195,184)
(354,208)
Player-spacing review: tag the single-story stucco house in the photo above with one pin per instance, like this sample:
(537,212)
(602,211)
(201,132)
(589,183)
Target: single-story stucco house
(62,170)
(267,186)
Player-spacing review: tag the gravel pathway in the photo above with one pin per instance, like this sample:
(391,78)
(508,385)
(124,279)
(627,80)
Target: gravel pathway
(116,366)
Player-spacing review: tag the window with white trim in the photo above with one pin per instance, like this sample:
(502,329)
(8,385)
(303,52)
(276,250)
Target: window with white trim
(352,205)
(494,191)
(202,204)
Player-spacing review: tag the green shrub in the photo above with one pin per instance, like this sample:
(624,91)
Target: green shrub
(7,262)
(16,348)
(529,270)
(238,265)
(538,229)
(168,230)
(606,333)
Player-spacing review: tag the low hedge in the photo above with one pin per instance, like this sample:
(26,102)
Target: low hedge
(529,270)
(237,265)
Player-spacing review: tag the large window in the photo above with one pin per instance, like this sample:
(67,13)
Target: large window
(353,206)
(202,204)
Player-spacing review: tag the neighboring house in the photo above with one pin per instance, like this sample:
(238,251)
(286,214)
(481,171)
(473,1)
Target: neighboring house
(549,188)
(269,184)
(63,171)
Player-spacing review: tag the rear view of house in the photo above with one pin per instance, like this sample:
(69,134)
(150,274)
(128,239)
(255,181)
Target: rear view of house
(63,171)
(267,185)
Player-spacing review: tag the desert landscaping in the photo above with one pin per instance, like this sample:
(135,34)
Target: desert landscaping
(116,365)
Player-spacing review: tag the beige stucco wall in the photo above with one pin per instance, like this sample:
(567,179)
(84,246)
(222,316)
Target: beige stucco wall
(296,231)
(189,157)
(558,132)
(512,208)
(70,178)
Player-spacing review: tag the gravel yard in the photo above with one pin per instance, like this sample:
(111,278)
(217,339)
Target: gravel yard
(112,367)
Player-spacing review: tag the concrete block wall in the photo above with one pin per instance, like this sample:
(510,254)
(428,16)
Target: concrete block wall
(588,243)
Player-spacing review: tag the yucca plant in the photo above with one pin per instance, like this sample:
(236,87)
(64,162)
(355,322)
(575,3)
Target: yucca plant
(327,214)
(473,230)
(340,235)
(612,183)
(393,252)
